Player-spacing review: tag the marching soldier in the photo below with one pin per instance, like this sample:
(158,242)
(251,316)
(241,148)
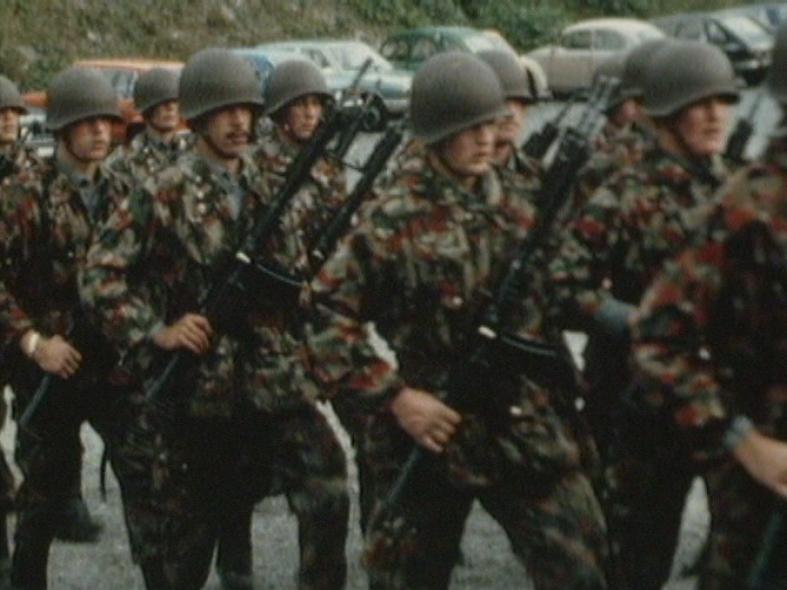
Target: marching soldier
(418,264)
(627,133)
(240,429)
(709,344)
(158,144)
(610,252)
(14,157)
(49,212)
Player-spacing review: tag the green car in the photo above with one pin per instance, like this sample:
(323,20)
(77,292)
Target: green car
(410,48)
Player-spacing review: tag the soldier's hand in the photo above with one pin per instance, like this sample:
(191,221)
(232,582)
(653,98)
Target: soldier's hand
(766,461)
(424,417)
(55,355)
(192,332)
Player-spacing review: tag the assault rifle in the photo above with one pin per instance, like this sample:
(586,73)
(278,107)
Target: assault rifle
(538,143)
(233,280)
(744,129)
(493,352)
(374,164)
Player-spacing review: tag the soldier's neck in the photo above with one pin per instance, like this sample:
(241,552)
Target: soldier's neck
(231,164)
(7,147)
(165,137)
(470,183)
(67,161)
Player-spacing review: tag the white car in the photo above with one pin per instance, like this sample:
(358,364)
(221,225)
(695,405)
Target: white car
(571,62)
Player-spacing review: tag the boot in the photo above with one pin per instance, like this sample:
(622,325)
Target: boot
(31,554)
(153,573)
(76,524)
(233,558)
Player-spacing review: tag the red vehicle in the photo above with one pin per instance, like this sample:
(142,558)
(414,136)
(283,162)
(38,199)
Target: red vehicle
(122,74)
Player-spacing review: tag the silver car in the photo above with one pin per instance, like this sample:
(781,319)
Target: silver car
(572,61)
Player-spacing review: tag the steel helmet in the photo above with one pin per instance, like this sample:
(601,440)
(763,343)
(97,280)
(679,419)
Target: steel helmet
(77,94)
(635,67)
(291,80)
(10,97)
(154,87)
(685,72)
(513,77)
(777,76)
(216,78)
(451,92)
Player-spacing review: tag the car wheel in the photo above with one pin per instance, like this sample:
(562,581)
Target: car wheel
(376,116)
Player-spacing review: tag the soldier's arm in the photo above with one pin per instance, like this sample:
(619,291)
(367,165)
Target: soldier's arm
(119,248)
(674,366)
(581,265)
(20,229)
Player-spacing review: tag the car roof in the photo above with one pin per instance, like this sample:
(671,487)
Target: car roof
(629,24)
(311,42)
(131,63)
(444,29)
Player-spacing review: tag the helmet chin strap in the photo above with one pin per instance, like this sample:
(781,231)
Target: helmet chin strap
(699,166)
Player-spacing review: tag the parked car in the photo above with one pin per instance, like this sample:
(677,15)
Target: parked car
(410,48)
(340,61)
(122,74)
(770,15)
(571,62)
(745,40)
(263,60)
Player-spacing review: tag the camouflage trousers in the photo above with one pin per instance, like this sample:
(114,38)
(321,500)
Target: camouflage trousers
(740,545)
(49,456)
(212,467)
(555,527)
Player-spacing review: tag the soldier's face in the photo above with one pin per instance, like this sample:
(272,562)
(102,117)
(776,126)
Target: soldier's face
(9,126)
(469,153)
(626,113)
(301,118)
(89,140)
(703,126)
(165,116)
(228,131)
(510,127)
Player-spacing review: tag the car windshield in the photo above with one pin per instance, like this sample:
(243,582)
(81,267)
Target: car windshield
(648,34)
(353,55)
(476,43)
(747,28)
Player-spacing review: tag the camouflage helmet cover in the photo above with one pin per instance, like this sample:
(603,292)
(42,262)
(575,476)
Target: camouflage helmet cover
(216,78)
(451,92)
(154,87)
(293,79)
(77,94)
(10,97)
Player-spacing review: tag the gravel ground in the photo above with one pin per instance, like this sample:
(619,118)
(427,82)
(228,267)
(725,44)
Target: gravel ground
(488,561)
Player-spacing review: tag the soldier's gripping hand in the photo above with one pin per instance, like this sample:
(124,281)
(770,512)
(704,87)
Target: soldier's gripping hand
(766,461)
(54,355)
(424,417)
(192,332)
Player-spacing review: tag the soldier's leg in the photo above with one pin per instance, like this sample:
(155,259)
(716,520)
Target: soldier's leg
(739,546)
(41,499)
(420,550)
(130,438)
(310,465)
(557,532)
(645,508)
(234,562)
(76,523)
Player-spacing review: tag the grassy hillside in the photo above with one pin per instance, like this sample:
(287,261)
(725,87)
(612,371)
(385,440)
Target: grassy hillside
(39,37)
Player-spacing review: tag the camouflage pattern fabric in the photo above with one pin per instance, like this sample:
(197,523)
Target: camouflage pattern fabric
(614,151)
(46,225)
(153,261)
(708,347)
(419,265)
(18,159)
(612,249)
(145,155)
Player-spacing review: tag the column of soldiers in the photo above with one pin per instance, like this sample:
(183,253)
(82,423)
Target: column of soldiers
(109,263)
